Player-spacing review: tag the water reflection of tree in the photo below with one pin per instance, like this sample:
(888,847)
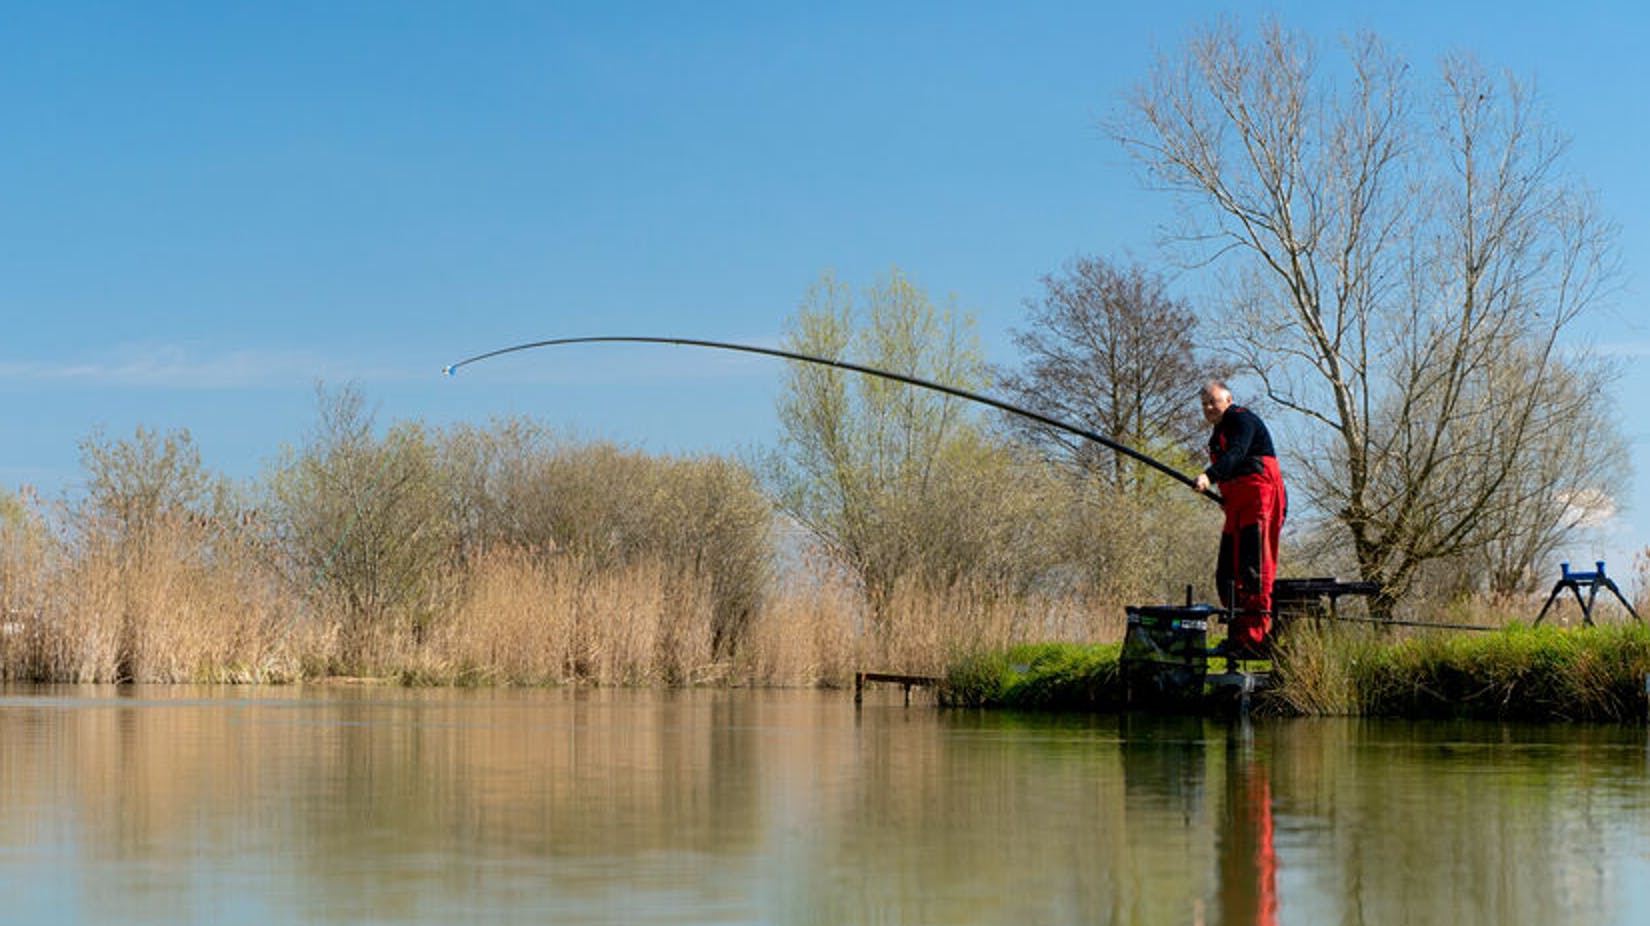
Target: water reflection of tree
(1456,823)
(980,819)
(784,806)
(402,800)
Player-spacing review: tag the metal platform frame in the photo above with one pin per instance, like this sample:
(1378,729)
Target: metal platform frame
(1593,580)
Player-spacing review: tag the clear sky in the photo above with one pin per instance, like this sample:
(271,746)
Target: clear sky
(206,208)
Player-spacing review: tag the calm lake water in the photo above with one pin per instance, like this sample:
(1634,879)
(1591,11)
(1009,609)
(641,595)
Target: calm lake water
(374,805)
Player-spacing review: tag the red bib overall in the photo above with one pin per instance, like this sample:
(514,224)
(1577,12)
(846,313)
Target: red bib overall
(1255,507)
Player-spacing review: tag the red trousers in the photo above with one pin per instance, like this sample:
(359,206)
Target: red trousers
(1255,508)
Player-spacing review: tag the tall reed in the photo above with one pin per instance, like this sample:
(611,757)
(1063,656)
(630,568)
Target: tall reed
(528,620)
(1321,668)
(817,630)
(189,602)
(182,605)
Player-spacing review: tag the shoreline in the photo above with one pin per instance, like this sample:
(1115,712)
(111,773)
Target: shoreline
(1519,673)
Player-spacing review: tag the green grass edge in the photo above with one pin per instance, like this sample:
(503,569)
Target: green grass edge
(1548,673)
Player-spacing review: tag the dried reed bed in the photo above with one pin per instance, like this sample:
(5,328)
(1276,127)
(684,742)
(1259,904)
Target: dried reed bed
(187,603)
(178,607)
(819,630)
(527,620)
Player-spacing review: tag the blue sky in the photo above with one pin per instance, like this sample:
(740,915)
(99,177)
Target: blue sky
(205,208)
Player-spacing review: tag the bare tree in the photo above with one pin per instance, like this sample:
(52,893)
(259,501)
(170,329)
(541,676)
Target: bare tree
(1110,349)
(1574,461)
(1405,267)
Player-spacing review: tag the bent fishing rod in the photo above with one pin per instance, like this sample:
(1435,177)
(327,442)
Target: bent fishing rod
(999,404)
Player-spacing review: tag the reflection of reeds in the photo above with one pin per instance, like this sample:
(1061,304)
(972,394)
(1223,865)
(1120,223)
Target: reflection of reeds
(357,804)
(580,793)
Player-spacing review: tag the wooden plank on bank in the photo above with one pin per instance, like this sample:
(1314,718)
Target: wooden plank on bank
(861,679)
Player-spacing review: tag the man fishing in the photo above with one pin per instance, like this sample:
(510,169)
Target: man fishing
(1244,464)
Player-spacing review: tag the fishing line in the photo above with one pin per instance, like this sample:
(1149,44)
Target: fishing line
(1394,622)
(996,403)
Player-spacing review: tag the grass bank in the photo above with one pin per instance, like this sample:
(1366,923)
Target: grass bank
(1040,676)
(1522,673)
(1595,674)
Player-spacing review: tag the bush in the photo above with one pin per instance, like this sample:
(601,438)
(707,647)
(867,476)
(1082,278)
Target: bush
(364,526)
(704,517)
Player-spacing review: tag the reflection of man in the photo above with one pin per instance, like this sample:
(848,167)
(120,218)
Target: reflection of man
(1248,888)
(1245,466)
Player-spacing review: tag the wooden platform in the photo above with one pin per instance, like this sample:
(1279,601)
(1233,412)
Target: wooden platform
(861,679)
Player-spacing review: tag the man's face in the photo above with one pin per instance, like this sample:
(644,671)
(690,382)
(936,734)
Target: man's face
(1214,402)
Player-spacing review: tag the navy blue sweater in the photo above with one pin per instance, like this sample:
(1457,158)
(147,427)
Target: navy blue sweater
(1238,444)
